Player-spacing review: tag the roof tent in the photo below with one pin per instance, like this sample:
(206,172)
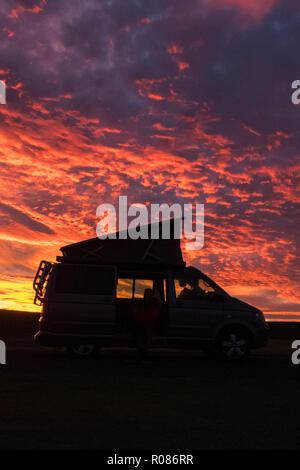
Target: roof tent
(126,251)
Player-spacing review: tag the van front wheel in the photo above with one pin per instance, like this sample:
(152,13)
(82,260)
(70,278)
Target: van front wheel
(82,350)
(233,344)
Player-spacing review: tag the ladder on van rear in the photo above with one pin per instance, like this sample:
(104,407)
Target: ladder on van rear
(40,281)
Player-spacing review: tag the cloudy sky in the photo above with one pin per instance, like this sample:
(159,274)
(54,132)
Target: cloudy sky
(162,101)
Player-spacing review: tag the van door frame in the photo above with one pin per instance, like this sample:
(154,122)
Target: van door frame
(193,332)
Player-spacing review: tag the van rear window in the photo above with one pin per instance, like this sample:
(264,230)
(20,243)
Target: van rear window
(89,280)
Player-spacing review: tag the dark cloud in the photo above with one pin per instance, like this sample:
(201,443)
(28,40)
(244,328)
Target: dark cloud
(24,219)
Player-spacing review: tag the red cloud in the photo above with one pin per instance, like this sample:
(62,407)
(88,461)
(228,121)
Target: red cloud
(16,12)
(254,8)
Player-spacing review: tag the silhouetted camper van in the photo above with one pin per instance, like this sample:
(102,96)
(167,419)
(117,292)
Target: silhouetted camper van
(90,294)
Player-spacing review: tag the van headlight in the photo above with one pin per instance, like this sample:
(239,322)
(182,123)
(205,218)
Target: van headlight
(259,316)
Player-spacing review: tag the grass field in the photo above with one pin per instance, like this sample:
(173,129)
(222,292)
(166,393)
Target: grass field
(177,401)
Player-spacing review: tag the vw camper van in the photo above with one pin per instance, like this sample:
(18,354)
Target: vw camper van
(88,295)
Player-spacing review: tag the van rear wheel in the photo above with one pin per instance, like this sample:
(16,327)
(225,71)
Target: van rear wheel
(82,350)
(233,344)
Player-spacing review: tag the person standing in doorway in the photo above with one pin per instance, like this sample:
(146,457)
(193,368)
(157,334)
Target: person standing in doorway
(146,317)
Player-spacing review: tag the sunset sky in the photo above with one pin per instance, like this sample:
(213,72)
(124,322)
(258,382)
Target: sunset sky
(163,101)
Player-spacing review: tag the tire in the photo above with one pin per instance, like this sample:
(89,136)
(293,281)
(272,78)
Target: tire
(233,344)
(82,350)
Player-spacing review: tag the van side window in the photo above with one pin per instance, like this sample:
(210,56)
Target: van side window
(133,288)
(140,286)
(124,288)
(85,280)
(165,289)
(191,286)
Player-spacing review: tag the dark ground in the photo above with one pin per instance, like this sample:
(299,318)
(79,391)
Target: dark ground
(49,400)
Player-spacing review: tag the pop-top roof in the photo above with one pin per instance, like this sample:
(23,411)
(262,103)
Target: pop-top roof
(118,251)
